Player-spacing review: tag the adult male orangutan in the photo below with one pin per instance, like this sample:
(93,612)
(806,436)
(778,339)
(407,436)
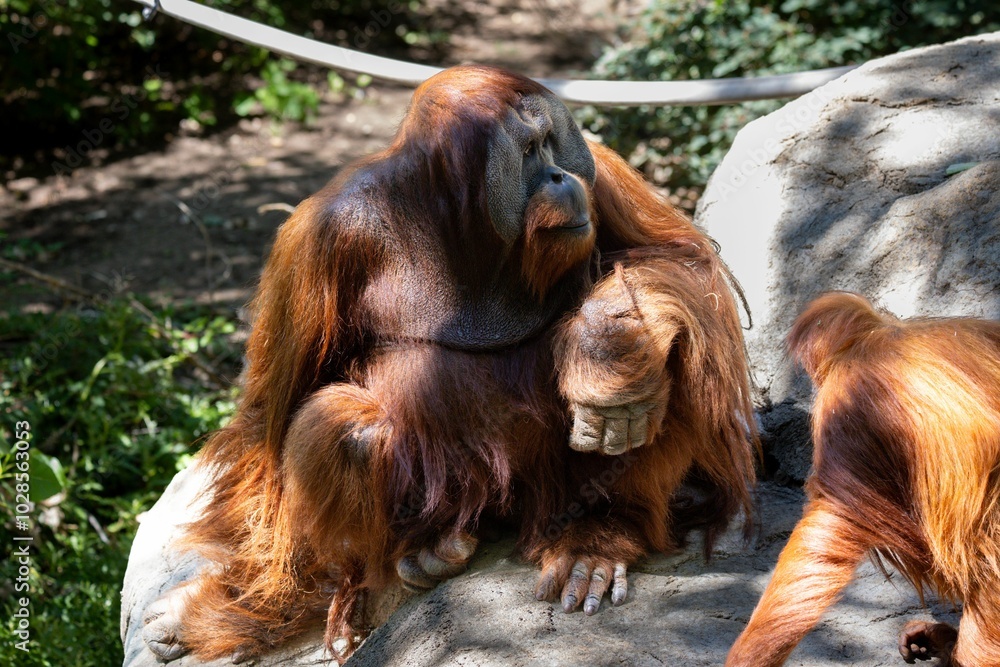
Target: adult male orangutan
(491,318)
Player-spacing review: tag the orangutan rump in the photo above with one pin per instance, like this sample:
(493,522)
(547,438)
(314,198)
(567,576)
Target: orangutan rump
(906,467)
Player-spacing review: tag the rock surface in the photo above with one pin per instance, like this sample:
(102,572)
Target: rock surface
(679,611)
(156,566)
(848,188)
(845,188)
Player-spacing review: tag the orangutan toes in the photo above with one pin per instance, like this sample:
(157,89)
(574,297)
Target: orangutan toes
(163,624)
(923,640)
(582,580)
(428,567)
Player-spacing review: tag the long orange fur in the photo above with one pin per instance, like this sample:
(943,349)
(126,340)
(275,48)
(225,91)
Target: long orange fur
(906,429)
(302,524)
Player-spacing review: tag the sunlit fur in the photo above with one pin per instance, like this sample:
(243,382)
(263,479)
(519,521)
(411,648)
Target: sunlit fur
(304,520)
(906,427)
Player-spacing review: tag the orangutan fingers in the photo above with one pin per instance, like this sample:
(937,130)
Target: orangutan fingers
(577,585)
(616,431)
(546,587)
(161,633)
(449,558)
(600,579)
(163,622)
(581,580)
(552,578)
(913,652)
(588,429)
(612,430)
(589,582)
(436,567)
(457,548)
(243,654)
(628,429)
(413,575)
(922,640)
(619,591)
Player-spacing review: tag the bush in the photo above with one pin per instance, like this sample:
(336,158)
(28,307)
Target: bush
(85,78)
(115,411)
(703,39)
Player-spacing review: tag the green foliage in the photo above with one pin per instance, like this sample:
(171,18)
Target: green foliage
(703,39)
(84,78)
(115,411)
(23,250)
(281,97)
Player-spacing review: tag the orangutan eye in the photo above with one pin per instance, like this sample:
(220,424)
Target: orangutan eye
(530,150)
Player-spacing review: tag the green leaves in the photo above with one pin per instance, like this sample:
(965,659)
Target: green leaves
(47,476)
(280,96)
(69,66)
(696,39)
(115,411)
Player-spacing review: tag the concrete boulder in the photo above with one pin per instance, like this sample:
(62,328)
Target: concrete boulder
(155,565)
(679,611)
(884,182)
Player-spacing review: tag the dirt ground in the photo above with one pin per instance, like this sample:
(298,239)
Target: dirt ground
(195,220)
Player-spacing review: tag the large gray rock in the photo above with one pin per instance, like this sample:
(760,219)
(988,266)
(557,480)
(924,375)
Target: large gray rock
(680,610)
(155,565)
(848,188)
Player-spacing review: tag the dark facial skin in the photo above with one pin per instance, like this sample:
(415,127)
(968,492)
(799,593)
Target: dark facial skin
(539,142)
